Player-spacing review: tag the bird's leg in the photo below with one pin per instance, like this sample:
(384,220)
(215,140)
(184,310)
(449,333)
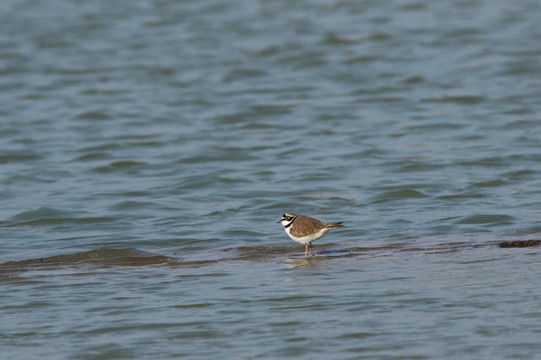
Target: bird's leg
(305,249)
(310,249)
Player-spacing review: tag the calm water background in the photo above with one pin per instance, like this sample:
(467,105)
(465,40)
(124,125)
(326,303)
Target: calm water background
(147,149)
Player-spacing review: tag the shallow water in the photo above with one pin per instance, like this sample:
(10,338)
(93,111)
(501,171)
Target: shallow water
(147,149)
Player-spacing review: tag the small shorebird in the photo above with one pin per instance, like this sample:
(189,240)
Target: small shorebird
(304,229)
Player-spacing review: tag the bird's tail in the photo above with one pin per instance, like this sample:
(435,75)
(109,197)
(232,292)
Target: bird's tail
(335,225)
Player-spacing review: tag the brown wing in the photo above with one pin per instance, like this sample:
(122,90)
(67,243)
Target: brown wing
(305,225)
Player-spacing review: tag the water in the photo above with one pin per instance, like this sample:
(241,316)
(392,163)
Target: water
(147,149)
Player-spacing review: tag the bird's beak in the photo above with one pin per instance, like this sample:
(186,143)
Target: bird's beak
(279,221)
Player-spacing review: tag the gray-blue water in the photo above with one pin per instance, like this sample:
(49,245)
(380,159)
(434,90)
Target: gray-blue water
(147,149)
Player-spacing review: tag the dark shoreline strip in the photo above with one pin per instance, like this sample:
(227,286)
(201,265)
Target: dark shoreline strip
(519,243)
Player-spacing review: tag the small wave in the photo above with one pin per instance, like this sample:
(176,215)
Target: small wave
(51,216)
(98,257)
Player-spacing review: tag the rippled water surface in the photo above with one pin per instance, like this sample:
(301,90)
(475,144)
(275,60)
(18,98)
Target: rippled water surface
(147,149)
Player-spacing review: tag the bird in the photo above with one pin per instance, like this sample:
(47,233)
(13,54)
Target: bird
(304,229)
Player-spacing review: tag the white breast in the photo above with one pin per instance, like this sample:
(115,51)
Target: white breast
(309,238)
